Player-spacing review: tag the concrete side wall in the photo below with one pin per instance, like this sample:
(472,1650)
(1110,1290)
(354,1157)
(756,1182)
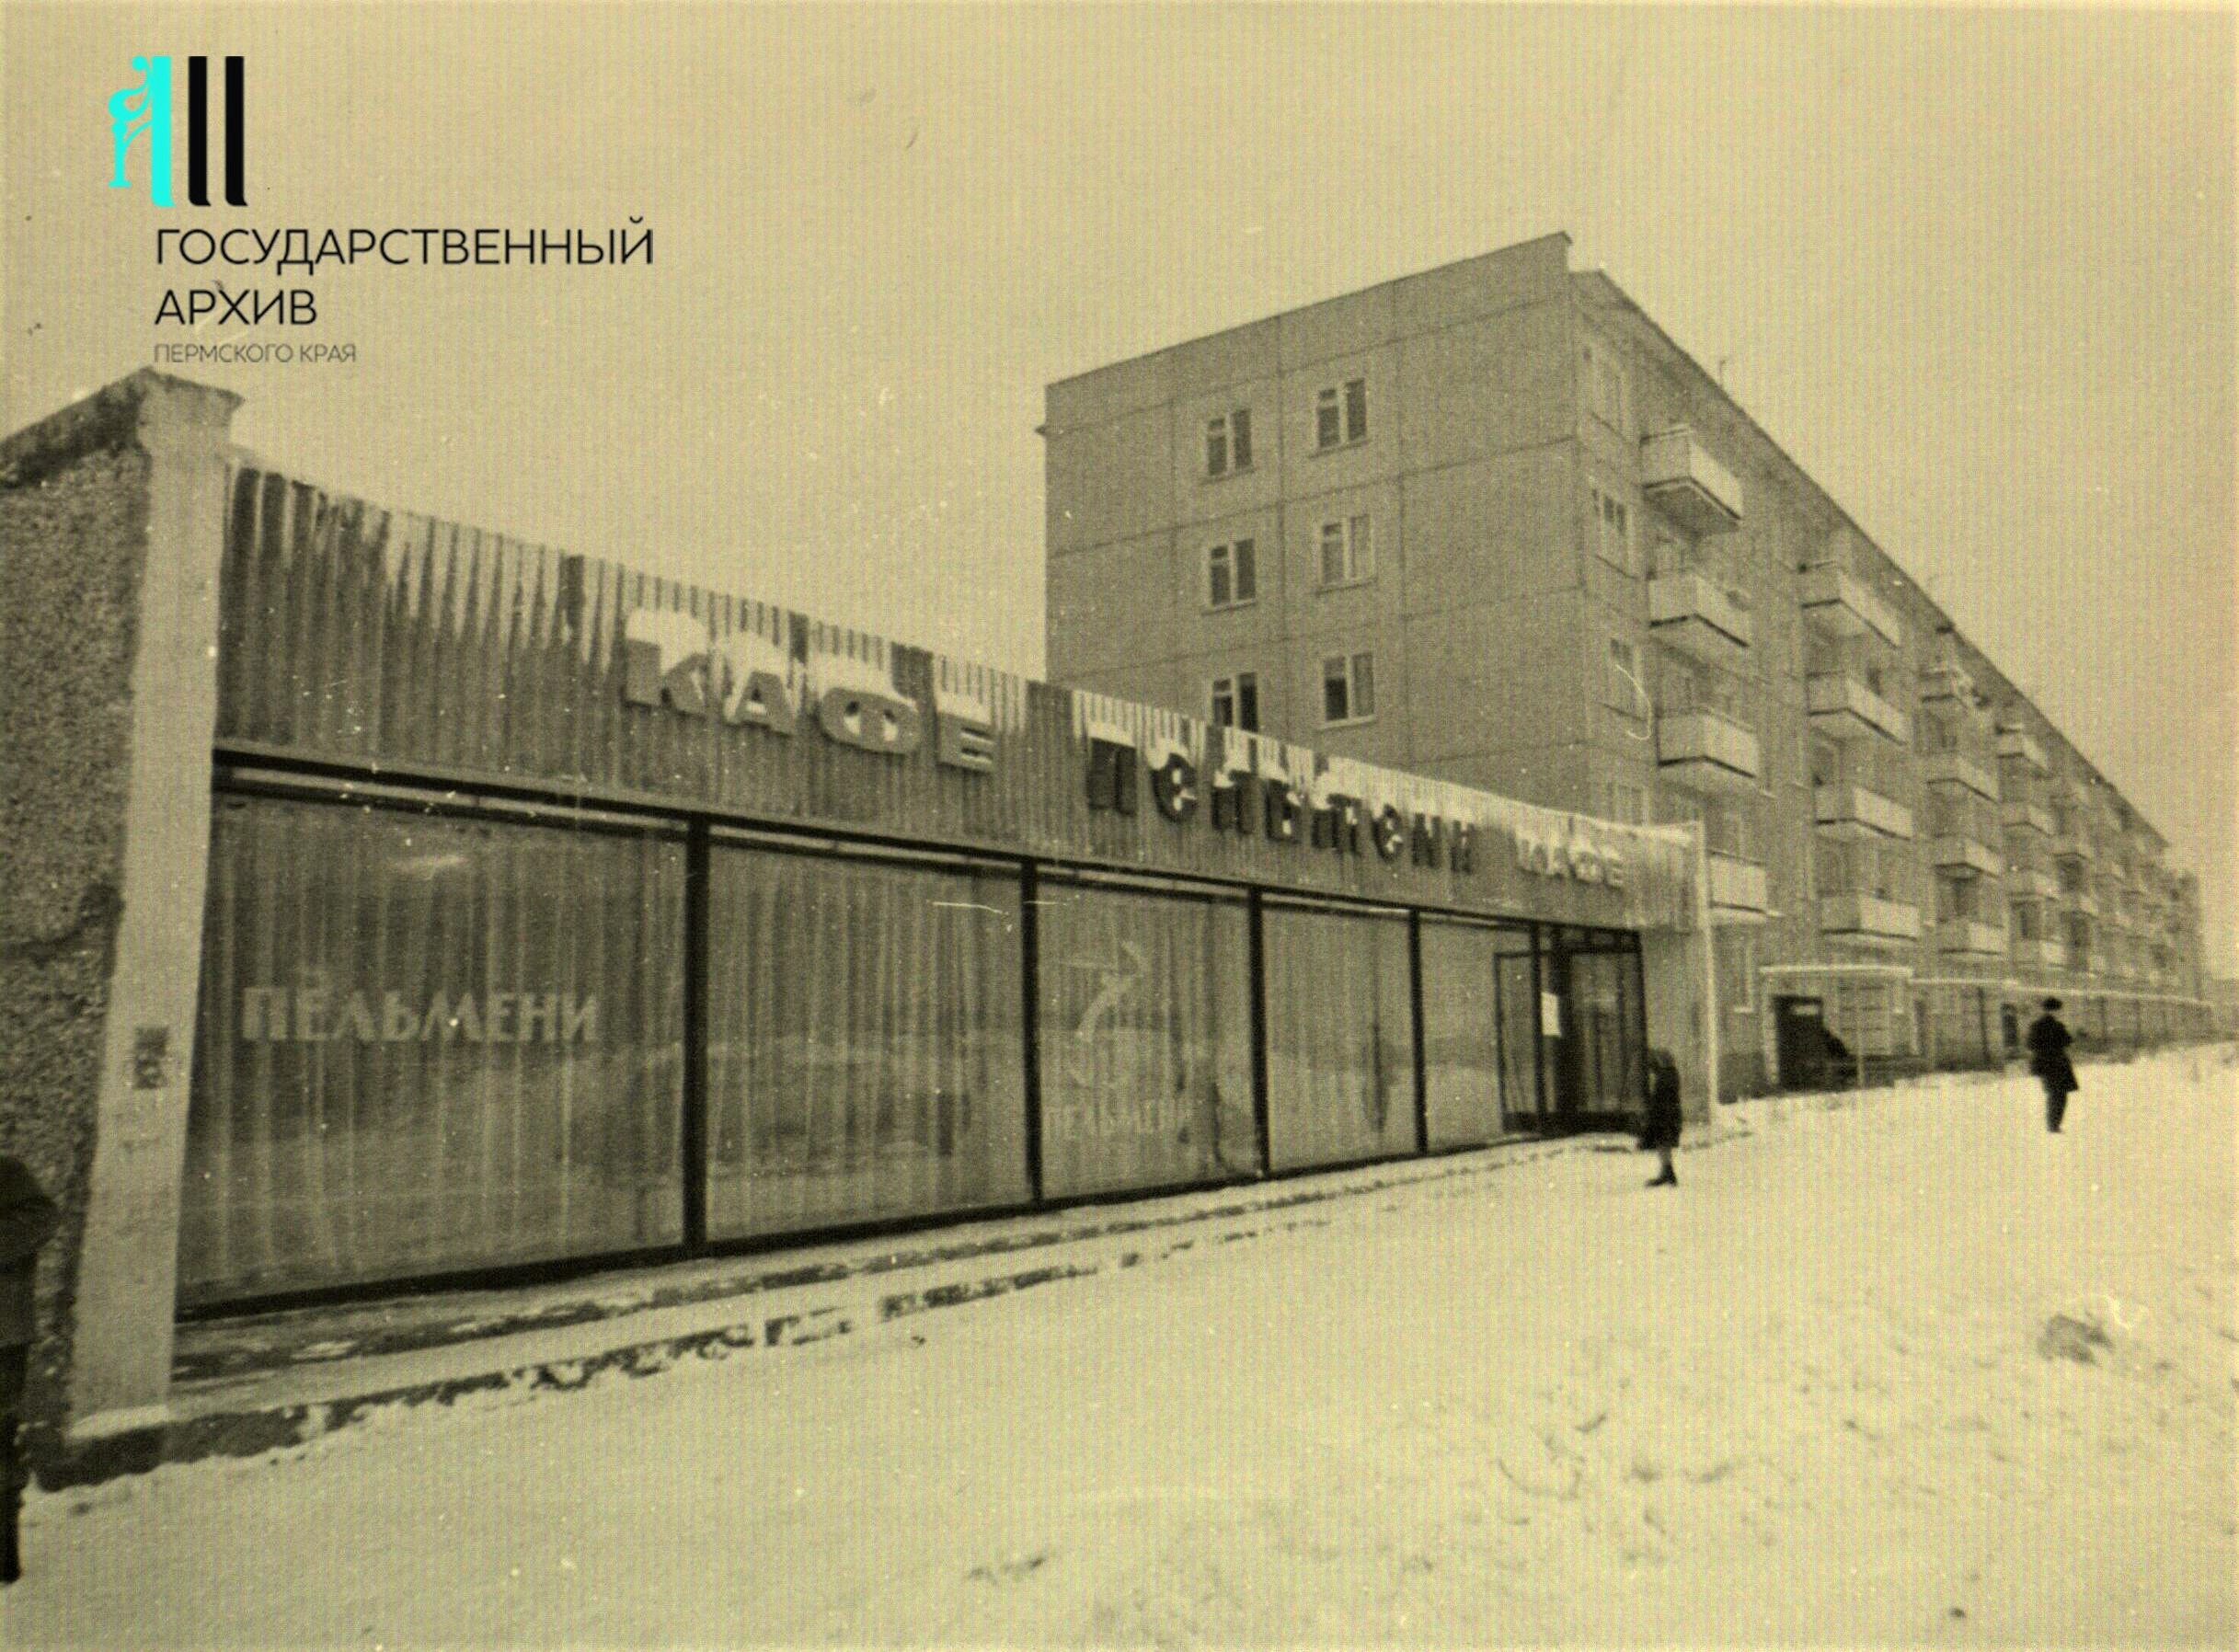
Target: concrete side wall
(112,524)
(72,542)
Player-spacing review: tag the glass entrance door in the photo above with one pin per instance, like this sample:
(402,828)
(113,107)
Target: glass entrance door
(1594,1031)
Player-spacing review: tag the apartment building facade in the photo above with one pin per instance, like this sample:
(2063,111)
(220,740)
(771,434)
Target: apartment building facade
(1491,523)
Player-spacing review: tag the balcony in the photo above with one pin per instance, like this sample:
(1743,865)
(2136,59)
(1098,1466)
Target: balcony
(1838,604)
(2042,953)
(1687,485)
(1739,891)
(1955,768)
(1969,937)
(1870,919)
(1706,752)
(2019,744)
(1856,811)
(2031,883)
(1947,684)
(1965,858)
(2075,846)
(2019,815)
(2081,900)
(1842,707)
(1692,613)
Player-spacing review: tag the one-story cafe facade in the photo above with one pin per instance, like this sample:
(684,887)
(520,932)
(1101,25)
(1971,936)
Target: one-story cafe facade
(404,907)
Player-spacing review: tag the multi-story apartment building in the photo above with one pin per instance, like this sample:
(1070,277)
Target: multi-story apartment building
(1491,524)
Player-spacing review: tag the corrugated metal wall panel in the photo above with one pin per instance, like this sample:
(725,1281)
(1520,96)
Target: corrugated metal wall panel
(355,634)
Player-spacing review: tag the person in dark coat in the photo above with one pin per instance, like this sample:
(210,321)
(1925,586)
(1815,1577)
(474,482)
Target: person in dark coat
(2048,1040)
(1661,1128)
(27,1217)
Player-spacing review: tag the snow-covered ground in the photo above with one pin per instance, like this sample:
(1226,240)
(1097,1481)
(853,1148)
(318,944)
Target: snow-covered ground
(1906,1369)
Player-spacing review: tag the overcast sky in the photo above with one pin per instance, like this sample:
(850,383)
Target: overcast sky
(1975,270)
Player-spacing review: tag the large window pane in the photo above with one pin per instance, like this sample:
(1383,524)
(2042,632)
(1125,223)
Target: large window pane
(1461,1045)
(1340,1042)
(864,1051)
(429,1045)
(1145,1040)
(1602,1046)
(1523,1101)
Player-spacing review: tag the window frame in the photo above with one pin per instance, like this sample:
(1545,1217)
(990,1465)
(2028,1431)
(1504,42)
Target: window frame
(1602,501)
(1352,673)
(1237,560)
(1236,685)
(1233,431)
(1635,702)
(1340,414)
(1355,531)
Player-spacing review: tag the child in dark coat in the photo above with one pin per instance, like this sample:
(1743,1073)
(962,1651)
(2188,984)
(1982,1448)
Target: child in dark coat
(27,1218)
(1661,1128)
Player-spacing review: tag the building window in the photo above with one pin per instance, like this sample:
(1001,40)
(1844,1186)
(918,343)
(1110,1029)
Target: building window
(1340,1037)
(1340,414)
(1737,962)
(1349,688)
(1625,801)
(866,1053)
(385,994)
(1612,527)
(1621,688)
(1232,574)
(1228,442)
(1726,831)
(1146,1071)
(1348,551)
(1604,386)
(1236,702)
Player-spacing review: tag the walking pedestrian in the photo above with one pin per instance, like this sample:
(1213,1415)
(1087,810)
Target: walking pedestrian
(27,1219)
(2049,1040)
(1660,1127)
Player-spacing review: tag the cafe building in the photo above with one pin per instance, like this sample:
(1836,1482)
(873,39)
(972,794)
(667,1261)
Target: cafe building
(395,907)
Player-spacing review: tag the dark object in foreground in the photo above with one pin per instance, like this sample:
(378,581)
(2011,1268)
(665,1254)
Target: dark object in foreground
(2049,1040)
(1660,1128)
(28,1217)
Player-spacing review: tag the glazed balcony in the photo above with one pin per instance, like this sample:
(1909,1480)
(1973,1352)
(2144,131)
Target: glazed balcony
(1846,810)
(2018,814)
(1869,918)
(1680,480)
(1706,752)
(1691,612)
(2021,745)
(1965,856)
(1838,604)
(1740,890)
(1842,707)
(1969,937)
(1955,768)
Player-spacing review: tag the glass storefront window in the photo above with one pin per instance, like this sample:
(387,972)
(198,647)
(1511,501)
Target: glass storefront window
(865,1054)
(1144,1039)
(428,1046)
(1340,1036)
(1462,1034)
(1523,1098)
